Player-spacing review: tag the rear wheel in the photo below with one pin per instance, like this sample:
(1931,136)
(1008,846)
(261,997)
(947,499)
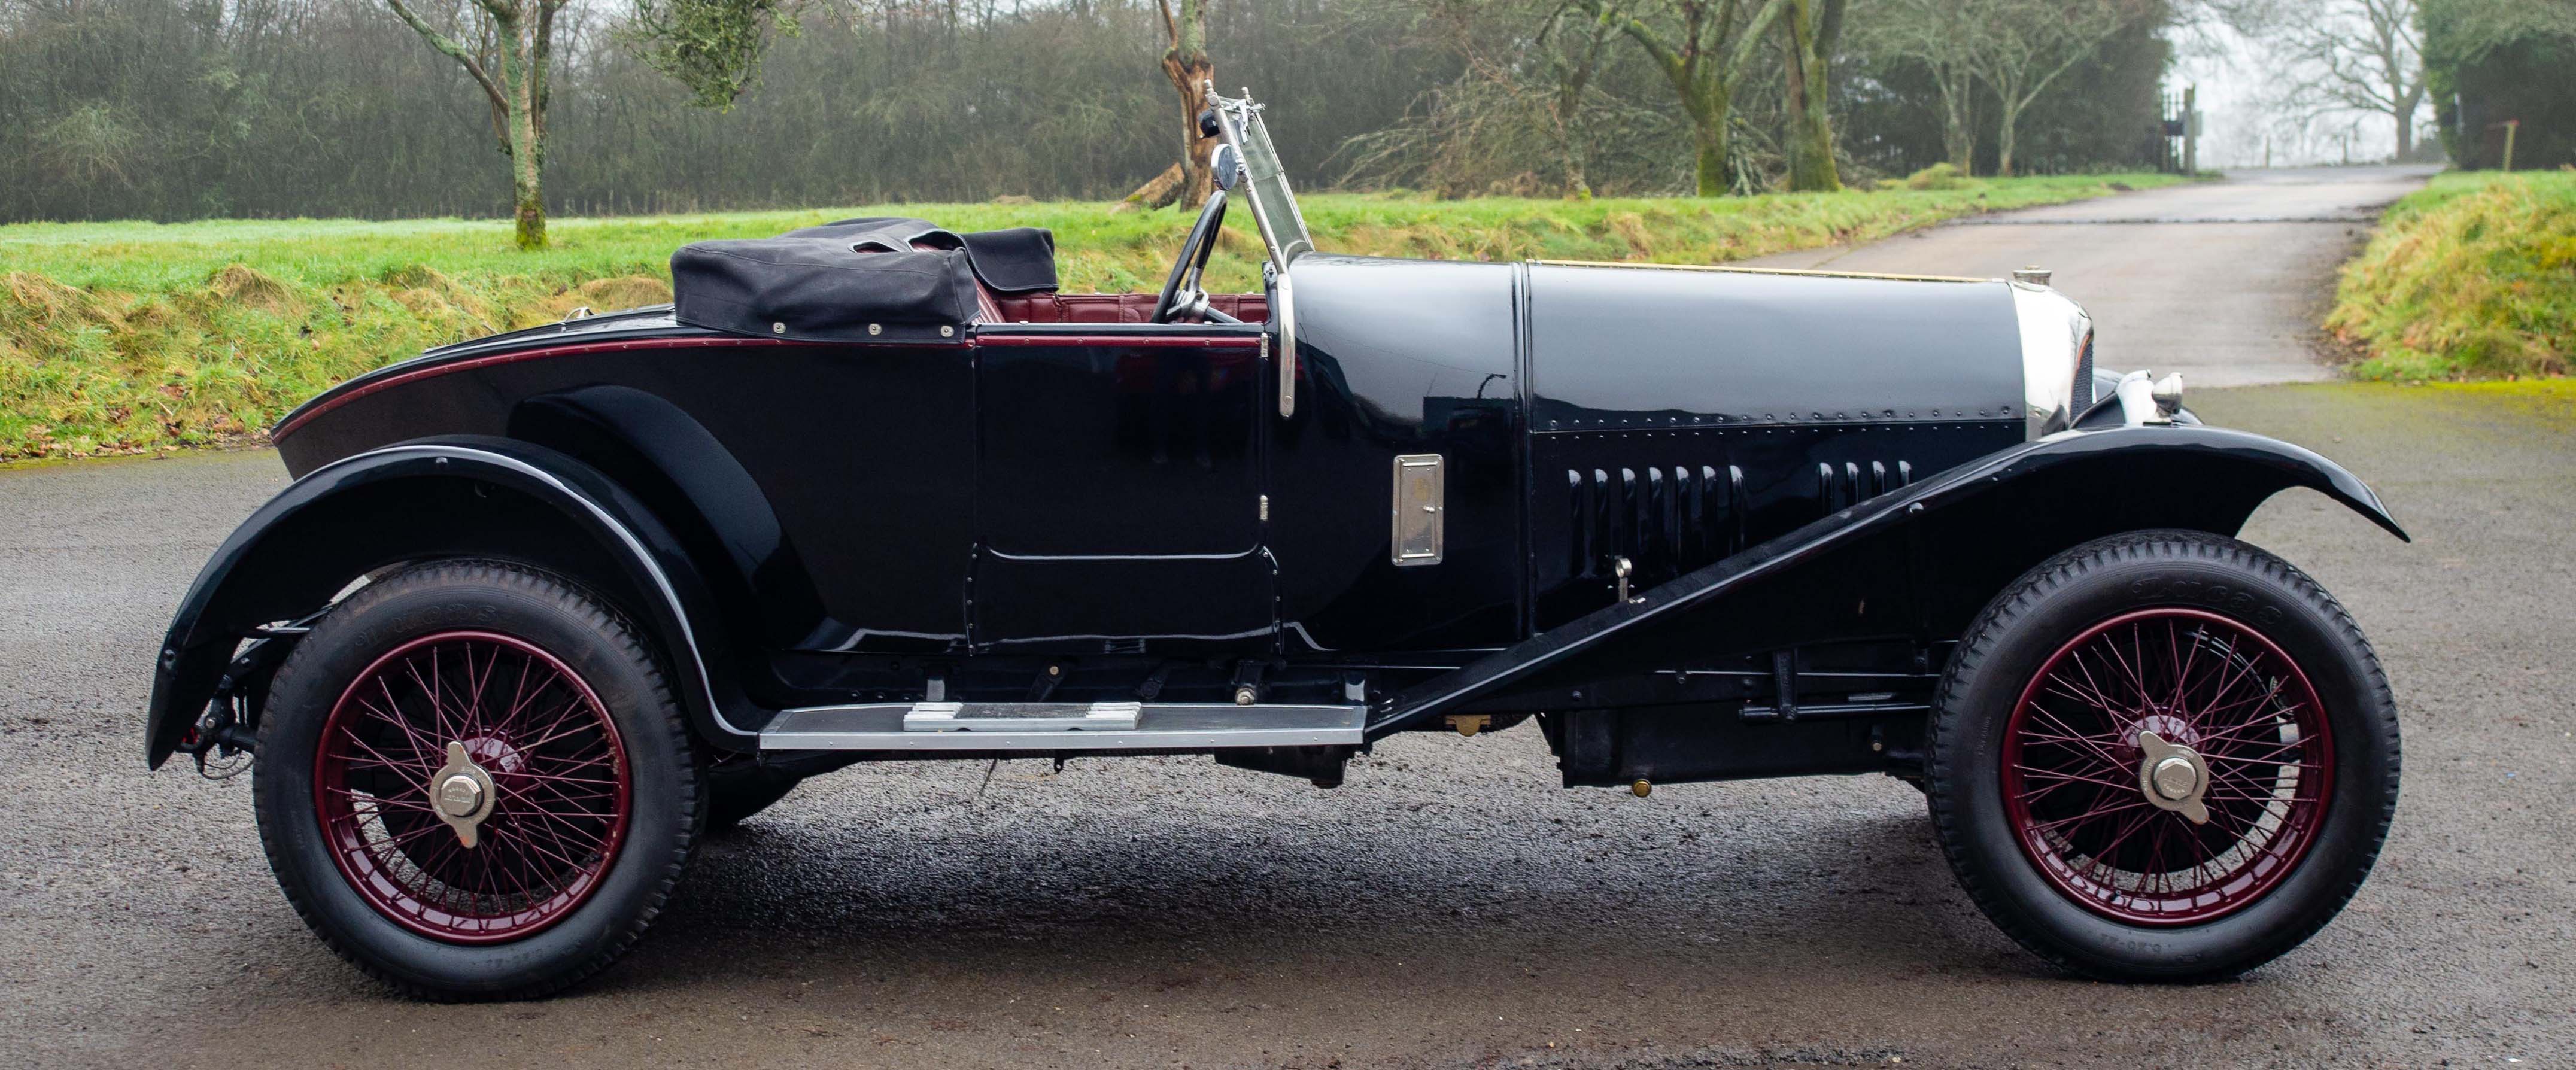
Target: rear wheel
(2163,756)
(473,782)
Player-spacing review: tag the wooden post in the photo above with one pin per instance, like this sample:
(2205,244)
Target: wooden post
(2510,126)
(2190,131)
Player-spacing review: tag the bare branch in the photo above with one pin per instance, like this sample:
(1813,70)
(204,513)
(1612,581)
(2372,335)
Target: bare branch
(1740,62)
(448,47)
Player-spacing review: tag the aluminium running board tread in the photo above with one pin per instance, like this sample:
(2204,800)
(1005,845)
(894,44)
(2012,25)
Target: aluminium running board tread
(1022,717)
(1034,726)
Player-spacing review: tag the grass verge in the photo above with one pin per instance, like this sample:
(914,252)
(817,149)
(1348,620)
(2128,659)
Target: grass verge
(2471,277)
(122,338)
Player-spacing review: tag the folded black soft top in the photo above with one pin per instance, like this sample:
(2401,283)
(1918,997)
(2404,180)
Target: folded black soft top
(879,278)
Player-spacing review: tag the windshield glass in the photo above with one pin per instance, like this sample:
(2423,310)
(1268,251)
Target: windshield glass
(1266,182)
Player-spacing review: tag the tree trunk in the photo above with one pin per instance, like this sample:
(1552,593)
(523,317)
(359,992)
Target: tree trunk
(2405,133)
(1958,129)
(527,181)
(1811,125)
(1811,143)
(1566,119)
(527,163)
(2004,140)
(1191,77)
(1157,191)
(1569,157)
(532,214)
(1708,133)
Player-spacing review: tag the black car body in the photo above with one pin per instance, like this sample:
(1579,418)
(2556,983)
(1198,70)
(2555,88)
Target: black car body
(1702,523)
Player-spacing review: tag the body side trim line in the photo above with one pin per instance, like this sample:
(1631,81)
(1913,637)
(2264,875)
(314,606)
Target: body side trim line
(397,374)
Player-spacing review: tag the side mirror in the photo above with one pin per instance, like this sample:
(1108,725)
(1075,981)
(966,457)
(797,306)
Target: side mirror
(1225,166)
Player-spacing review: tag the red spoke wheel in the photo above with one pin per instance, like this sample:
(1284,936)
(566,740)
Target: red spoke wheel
(473,781)
(2261,763)
(543,789)
(2162,756)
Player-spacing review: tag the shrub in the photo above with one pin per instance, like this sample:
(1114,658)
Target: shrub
(1938,176)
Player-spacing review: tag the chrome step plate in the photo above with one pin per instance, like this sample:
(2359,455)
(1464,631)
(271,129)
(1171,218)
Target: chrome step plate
(1004,726)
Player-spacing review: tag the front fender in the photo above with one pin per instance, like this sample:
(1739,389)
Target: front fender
(353,516)
(1939,549)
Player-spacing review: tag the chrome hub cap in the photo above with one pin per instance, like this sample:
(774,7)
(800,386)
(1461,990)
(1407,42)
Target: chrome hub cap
(2175,778)
(2172,777)
(461,794)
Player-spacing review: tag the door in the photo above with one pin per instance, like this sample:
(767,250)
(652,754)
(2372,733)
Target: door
(1118,500)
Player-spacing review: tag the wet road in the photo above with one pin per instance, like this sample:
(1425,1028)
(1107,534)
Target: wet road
(1448,907)
(2221,281)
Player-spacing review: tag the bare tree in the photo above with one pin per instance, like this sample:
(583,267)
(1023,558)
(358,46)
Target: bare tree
(1187,66)
(513,45)
(1704,48)
(1942,36)
(2363,56)
(1809,34)
(1570,49)
(1523,114)
(2026,45)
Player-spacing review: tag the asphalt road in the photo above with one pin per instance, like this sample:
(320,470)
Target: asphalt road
(1448,907)
(2221,281)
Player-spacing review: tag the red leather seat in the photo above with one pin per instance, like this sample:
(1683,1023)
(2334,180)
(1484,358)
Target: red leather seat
(1052,307)
(1111,308)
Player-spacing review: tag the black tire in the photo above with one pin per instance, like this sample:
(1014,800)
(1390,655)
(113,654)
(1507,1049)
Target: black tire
(741,787)
(664,793)
(2052,605)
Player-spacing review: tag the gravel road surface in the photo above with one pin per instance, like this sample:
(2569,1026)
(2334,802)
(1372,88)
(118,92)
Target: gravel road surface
(1448,907)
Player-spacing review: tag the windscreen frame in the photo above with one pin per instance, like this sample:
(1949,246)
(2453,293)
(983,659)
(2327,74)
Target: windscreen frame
(1274,204)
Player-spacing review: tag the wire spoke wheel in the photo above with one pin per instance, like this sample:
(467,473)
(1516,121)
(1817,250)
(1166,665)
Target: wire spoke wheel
(2167,766)
(471,787)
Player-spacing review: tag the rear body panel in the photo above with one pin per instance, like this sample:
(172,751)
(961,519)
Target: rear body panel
(866,454)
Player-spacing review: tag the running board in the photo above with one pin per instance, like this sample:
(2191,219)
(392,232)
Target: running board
(1057,726)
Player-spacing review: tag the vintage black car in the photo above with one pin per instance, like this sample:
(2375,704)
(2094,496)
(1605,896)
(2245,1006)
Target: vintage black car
(541,608)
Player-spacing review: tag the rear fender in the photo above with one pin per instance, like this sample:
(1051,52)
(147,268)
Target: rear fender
(1916,563)
(435,498)
(685,475)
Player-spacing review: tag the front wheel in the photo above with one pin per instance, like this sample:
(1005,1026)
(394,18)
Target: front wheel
(2163,756)
(473,782)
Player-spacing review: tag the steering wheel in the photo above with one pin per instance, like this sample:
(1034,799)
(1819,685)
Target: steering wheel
(1181,291)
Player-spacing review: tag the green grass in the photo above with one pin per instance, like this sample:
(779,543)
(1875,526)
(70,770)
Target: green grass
(2472,277)
(119,338)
